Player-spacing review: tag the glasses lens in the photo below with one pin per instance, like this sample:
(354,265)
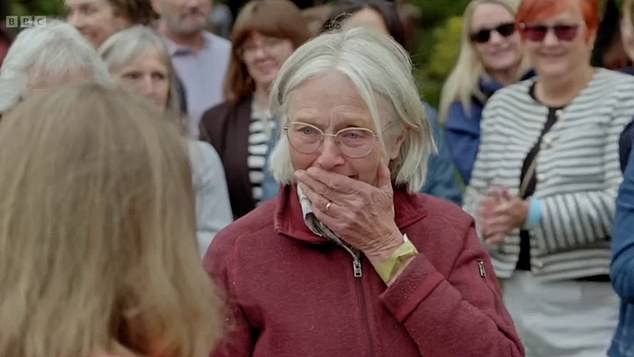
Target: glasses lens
(355,142)
(506,30)
(481,36)
(565,32)
(535,33)
(304,138)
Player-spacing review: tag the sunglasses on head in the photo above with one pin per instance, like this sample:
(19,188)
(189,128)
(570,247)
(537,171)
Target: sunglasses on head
(484,35)
(537,33)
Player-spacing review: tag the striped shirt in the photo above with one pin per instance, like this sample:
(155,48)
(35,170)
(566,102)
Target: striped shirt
(260,130)
(577,173)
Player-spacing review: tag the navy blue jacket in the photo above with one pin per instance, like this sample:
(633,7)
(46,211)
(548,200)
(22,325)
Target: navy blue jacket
(440,180)
(622,268)
(625,144)
(462,130)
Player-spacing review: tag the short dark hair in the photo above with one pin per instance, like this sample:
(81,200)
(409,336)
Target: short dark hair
(387,9)
(138,12)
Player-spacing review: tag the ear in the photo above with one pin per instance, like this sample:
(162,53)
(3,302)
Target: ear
(394,149)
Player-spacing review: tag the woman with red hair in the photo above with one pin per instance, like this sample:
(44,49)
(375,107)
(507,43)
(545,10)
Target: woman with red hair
(545,181)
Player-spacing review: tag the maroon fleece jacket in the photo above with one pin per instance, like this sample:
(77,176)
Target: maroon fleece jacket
(292,293)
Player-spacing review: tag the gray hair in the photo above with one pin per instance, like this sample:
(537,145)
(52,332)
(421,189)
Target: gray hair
(379,68)
(50,54)
(130,44)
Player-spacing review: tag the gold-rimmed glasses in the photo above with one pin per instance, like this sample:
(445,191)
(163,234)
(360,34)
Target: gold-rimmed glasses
(354,142)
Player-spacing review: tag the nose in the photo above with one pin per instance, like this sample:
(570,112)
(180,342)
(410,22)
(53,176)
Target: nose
(330,155)
(76,20)
(147,86)
(496,38)
(193,4)
(550,39)
(259,52)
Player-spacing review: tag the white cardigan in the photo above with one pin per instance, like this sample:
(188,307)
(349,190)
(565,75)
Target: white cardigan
(577,173)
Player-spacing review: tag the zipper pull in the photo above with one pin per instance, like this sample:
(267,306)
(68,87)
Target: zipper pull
(356,268)
(483,272)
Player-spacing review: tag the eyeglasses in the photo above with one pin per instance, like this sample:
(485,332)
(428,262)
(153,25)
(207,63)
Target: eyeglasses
(268,45)
(537,33)
(484,34)
(354,143)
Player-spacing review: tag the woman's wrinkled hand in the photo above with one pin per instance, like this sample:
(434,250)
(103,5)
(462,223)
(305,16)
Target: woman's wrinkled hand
(360,214)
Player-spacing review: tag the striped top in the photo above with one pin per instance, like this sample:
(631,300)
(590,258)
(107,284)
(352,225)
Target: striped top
(577,173)
(260,130)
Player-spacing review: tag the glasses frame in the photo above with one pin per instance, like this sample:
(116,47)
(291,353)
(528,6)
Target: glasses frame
(334,136)
(537,33)
(483,35)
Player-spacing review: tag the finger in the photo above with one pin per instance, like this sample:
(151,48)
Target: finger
(318,202)
(498,220)
(384,177)
(502,209)
(334,181)
(314,185)
(493,193)
(506,195)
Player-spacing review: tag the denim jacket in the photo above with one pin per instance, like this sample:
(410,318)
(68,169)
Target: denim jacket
(622,268)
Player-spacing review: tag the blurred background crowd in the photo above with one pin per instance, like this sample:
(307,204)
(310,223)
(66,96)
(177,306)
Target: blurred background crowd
(519,112)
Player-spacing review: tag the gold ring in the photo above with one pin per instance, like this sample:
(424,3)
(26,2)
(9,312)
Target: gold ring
(328,206)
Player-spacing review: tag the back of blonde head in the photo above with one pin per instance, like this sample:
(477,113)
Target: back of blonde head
(97,233)
(462,83)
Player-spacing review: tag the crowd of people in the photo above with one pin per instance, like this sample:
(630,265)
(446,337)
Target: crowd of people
(335,210)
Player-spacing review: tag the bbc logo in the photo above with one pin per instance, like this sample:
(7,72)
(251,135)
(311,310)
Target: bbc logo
(25,21)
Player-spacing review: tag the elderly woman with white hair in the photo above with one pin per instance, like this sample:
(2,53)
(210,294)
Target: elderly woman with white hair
(139,62)
(349,259)
(45,57)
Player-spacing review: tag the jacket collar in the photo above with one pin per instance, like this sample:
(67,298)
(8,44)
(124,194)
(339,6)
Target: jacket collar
(488,85)
(289,219)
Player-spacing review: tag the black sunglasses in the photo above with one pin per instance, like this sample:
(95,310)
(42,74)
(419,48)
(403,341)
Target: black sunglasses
(537,33)
(484,34)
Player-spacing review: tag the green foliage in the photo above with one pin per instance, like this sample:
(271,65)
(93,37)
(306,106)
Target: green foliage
(445,49)
(36,7)
(436,55)
(436,11)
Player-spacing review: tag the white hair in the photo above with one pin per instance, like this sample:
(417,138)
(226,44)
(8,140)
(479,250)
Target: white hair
(47,54)
(462,83)
(378,67)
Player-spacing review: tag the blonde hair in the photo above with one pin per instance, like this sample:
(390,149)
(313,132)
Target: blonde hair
(462,83)
(97,232)
(379,68)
